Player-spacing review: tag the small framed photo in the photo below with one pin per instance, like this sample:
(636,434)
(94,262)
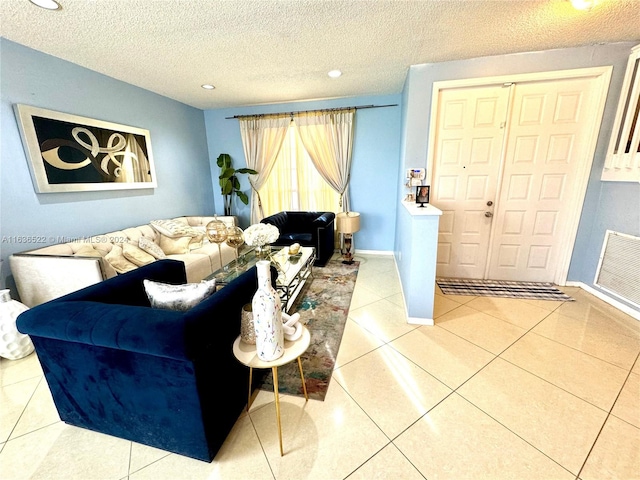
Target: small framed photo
(422,194)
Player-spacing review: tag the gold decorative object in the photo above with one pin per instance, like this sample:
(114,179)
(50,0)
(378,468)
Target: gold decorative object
(235,238)
(217,233)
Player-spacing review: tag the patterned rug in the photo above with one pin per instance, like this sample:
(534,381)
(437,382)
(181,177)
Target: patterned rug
(499,288)
(323,305)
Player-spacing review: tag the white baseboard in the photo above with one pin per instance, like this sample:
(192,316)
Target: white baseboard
(373,252)
(420,321)
(606,298)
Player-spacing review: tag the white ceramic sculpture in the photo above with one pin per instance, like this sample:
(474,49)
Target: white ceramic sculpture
(291,326)
(267,316)
(13,344)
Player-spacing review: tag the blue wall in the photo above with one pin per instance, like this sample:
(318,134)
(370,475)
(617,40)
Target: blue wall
(608,205)
(376,160)
(178,141)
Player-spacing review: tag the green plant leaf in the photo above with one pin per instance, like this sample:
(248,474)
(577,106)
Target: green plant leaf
(243,197)
(224,160)
(227,173)
(247,170)
(227,189)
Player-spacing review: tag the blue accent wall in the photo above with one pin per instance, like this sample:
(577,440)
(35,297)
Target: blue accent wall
(607,205)
(374,170)
(178,141)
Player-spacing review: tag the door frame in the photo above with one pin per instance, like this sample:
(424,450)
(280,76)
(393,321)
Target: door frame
(602,76)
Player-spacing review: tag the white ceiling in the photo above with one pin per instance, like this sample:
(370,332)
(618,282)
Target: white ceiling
(274,51)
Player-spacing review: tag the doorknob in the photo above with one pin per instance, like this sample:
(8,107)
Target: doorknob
(489,203)
(488,214)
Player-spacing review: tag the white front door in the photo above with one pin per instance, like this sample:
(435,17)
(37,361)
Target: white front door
(468,147)
(547,148)
(508,162)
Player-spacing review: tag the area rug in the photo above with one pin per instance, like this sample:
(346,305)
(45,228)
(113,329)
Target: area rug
(499,288)
(323,305)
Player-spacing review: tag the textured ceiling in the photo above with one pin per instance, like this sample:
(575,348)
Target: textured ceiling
(273,51)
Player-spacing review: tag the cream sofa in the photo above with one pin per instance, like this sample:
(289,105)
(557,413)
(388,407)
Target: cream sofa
(50,272)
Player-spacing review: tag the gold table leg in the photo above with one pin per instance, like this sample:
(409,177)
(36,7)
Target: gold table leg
(250,382)
(277,397)
(304,385)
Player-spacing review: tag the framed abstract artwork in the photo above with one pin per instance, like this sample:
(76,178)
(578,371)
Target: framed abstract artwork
(68,153)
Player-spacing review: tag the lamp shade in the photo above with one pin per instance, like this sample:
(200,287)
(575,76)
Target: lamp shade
(348,222)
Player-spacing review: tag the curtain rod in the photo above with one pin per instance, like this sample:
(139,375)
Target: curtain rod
(309,111)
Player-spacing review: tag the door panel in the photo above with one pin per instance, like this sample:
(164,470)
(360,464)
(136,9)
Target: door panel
(545,151)
(466,165)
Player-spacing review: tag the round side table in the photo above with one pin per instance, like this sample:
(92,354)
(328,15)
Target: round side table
(246,354)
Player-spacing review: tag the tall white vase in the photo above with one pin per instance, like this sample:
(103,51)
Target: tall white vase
(267,316)
(13,344)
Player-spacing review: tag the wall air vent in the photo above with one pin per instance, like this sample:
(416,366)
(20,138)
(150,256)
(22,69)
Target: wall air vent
(622,163)
(619,268)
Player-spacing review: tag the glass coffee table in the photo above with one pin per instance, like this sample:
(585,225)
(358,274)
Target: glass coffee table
(293,270)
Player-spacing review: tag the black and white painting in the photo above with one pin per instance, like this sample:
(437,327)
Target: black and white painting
(68,153)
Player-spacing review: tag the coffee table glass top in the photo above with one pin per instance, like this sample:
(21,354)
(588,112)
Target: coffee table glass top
(289,266)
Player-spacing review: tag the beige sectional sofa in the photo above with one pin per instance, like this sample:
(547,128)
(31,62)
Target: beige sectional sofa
(50,272)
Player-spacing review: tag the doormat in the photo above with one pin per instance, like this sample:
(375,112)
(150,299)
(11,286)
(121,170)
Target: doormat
(500,288)
(323,305)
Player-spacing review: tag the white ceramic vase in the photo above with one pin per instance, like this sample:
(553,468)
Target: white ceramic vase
(13,344)
(267,316)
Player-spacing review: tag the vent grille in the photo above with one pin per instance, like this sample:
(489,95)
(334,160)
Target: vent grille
(619,268)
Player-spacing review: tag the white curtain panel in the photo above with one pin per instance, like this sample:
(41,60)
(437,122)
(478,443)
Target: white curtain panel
(328,137)
(262,137)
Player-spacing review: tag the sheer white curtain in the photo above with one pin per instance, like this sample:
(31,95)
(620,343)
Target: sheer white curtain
(262,137)
(294,183)
(328,137)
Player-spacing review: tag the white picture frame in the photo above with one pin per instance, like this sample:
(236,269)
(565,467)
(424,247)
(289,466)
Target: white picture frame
(70,153)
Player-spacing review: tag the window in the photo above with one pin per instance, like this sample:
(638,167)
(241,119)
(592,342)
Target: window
(294,183)
(622,163)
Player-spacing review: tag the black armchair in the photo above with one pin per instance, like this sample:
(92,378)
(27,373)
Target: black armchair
(309,229)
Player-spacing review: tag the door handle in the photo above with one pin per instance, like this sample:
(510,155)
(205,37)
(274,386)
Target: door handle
(488,214)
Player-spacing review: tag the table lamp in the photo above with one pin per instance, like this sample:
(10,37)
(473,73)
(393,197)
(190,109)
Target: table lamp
(348,224)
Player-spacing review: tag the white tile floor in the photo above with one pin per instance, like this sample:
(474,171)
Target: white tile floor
(498,388)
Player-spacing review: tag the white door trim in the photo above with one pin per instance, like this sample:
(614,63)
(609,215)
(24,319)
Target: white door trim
(603,77)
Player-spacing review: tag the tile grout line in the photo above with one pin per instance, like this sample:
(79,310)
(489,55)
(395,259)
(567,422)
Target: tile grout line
(609,414)
(255,431)
(455,391)
(26,405)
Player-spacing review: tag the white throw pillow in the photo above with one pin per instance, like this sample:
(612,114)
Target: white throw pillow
(151,247)
(177,245)
(87,251)
(136,255)
(116,259)
(171,228)
(178,297)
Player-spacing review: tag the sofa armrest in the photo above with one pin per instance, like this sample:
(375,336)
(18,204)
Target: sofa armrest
(121,327)
(40,278)
(324,220)
(280,220)
(128,289)
(213,323)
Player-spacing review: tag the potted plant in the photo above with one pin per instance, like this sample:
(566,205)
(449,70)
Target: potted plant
(229,183)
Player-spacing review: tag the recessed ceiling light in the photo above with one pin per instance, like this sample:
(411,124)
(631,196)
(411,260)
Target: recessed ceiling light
(48,4)
(208,86)
(334,73)
(583,4)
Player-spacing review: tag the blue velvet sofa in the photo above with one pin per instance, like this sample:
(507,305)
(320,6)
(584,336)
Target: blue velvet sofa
(309,229)
(158,377)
